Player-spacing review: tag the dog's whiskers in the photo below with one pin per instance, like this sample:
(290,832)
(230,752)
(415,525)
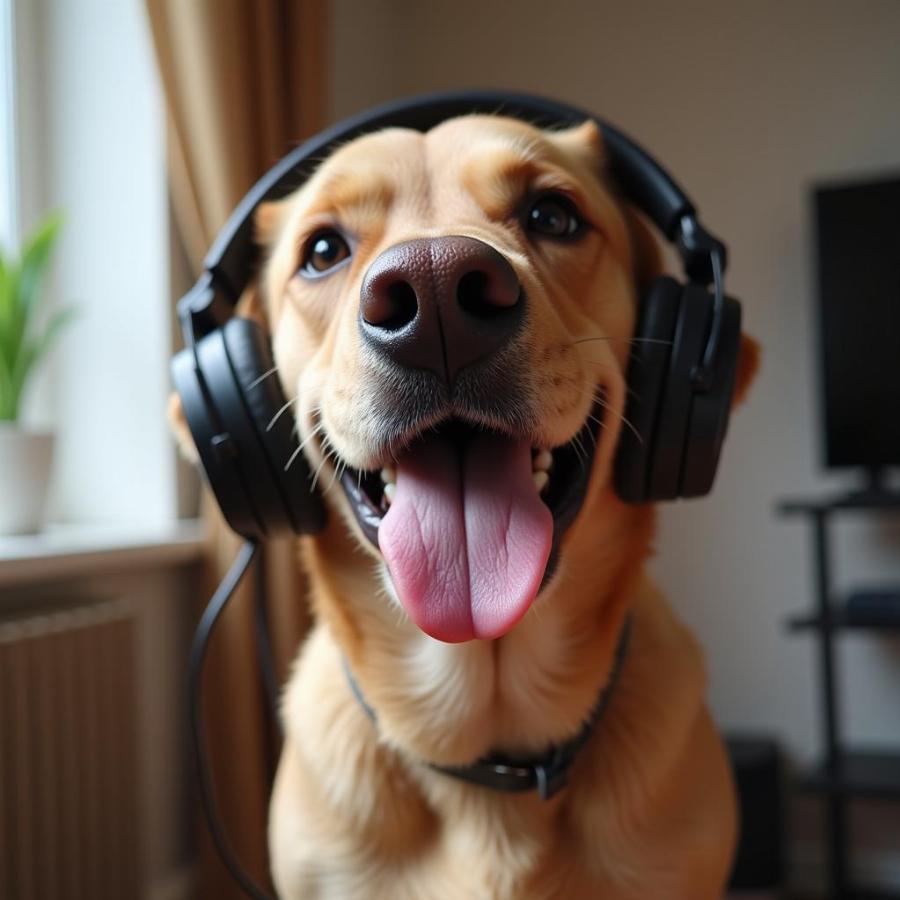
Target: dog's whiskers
(610,339)
(280,412)
(581,453)
(315,479)
(622,417)
(338,472)
(603,364)
(592,393)
(591,434)
(318,472)
(329,452)
(262,377)
(302,444)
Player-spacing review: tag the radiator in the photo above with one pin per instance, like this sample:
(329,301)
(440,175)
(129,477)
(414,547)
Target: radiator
(68,767)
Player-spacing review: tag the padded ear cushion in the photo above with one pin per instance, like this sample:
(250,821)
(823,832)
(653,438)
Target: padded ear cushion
(250,355)
(670,439)
(229,405)
(711,410)
(216,448)
(648,370)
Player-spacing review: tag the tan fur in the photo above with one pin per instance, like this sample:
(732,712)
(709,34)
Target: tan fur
(649,810)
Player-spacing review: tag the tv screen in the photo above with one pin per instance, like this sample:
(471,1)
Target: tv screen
(858,251)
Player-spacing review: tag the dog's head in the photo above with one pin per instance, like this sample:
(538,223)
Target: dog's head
(452,312)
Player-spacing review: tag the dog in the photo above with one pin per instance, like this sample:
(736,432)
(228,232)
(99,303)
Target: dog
(451,315)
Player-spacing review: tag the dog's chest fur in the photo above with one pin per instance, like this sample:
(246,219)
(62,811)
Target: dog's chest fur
(396,830)
(352,817)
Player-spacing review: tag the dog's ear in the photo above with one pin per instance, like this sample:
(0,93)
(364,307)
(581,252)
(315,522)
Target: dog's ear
(267,221)
(749,354)
(584,142)
(251,306)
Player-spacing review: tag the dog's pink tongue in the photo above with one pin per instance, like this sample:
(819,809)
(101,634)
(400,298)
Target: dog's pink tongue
(466,538)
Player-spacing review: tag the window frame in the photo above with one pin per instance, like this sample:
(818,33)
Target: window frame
(9,132)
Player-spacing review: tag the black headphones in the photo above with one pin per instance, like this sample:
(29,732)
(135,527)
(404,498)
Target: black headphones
(680,376)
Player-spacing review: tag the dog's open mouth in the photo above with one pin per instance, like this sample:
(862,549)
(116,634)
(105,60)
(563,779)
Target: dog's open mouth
(469,520)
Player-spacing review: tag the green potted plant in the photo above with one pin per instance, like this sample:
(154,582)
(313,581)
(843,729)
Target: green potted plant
(26,334)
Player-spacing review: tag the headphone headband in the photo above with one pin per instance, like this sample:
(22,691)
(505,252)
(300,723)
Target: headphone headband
(681,370)
(643,181)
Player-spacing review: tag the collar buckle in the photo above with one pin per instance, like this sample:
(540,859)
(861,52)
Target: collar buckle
(551,776)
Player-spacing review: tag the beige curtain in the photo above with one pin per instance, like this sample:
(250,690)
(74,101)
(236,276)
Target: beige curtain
(244,80)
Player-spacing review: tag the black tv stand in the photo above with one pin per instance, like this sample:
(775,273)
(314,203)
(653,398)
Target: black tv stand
(875,484)
(868,499)
(843,772)
(860,498)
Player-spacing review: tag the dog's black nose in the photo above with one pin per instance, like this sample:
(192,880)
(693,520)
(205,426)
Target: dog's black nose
(440,303)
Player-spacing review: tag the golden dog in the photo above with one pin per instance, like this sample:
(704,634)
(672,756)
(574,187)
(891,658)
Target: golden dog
(441,458)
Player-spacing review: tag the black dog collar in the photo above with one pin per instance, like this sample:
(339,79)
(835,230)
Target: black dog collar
(547,773)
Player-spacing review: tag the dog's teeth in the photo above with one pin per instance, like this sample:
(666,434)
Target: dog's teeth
(542,462)
(388,475)
(389,490)
(541,480)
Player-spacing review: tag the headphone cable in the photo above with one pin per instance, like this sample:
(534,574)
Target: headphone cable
(197,657)
(264,642)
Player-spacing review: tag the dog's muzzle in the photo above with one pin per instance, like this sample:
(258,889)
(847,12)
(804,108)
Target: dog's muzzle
(440,304)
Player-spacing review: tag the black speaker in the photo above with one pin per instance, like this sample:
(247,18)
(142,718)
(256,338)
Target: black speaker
(759,774)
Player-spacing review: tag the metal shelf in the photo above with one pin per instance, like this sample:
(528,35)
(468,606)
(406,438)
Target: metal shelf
(840,619)
(887,501)
(843,774)
(855,893)
(871,774)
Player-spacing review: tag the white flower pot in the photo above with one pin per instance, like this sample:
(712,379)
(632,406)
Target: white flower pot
(25,460)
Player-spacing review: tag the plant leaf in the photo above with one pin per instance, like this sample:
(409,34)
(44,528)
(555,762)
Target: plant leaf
(10,313)
(35,256)
(32,269)
(34,350)
(20,283)
(8,401)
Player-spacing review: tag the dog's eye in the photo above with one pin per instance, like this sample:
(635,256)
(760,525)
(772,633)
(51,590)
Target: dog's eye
(554,215)
(325,250)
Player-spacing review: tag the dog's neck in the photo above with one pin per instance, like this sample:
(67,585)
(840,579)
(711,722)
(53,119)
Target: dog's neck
(453,703)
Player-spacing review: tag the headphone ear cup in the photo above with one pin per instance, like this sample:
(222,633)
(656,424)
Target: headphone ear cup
(215,446)
(679,429)
(671,436)
(236,409)
(711,410)
(250,355)
(648,371)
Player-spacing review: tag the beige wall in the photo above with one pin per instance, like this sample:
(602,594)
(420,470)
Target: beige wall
(748,103)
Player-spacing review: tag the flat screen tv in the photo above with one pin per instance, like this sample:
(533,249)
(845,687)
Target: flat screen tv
(858,257)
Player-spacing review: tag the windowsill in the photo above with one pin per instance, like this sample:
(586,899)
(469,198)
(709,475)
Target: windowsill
(68,551)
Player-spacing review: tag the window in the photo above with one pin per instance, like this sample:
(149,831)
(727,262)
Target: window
(83,98)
